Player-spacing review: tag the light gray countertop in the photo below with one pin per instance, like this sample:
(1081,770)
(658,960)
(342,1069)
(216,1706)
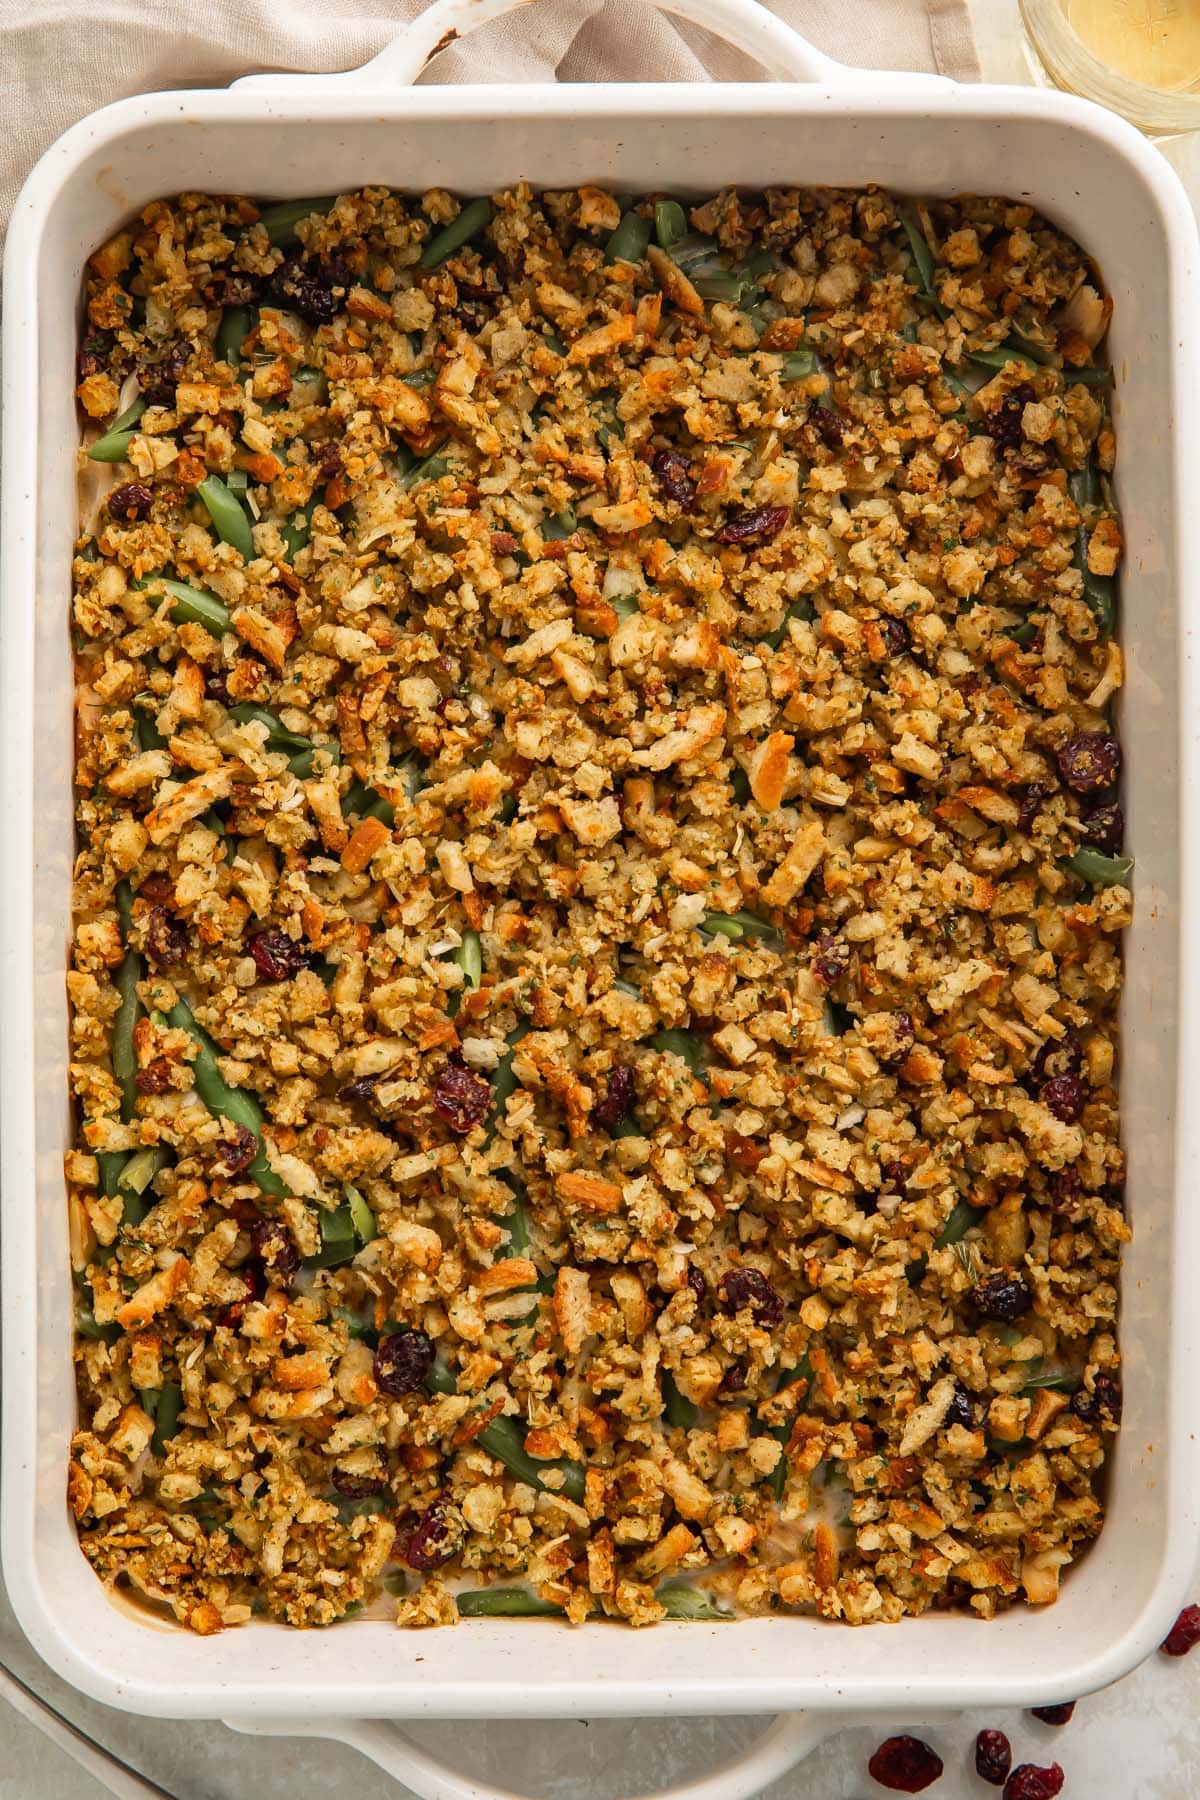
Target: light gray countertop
(1140,1740)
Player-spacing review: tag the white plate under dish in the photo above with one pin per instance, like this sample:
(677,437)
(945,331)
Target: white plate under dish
(289,136)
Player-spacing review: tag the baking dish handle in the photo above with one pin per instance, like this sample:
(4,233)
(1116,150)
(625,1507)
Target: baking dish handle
(788,1741)
(747,24)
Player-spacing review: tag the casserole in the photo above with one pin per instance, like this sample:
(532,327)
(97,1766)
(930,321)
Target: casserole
(1096,178)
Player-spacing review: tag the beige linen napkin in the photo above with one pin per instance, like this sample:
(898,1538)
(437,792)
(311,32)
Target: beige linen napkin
(61,59)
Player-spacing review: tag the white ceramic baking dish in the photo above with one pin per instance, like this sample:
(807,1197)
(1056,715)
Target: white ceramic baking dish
(291,136)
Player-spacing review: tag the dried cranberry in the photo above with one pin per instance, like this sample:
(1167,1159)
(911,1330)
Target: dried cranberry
(358,1487)
(1054,1715)
(272,1243)
(697,1283)
(733,1381)
(1103,1403)
(1104,826)
(746,1286)
(675,480)
(432,1543)
(1028,1782)
(905,1765)
(828,427)
(402,1361)
(1184,1634)
(94,353)
(1002,1296)
(901,1038)
(234,1151)
(233,287)
(460,1096)
(1064,1097)
(756,527)
(158,888)
(618,1099)
(216,685)
(256,1287)
(960,1410)
(166,938)
(155,1078)
(307,288)
(1066,1190)
(1032,795)
(1089,761)
(899,637)
(993,1757)
(277,956)
(159,380)
(896,1175)
(362,1089)
(1057,1056)
(329,460)
(831,958)
(132,500)
(1004,425)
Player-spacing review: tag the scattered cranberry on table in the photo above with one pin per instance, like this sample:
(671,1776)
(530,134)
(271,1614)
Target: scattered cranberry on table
(906,1765)
(993,1757)
(1184,1634)
(1028,1782)
(1054,1715)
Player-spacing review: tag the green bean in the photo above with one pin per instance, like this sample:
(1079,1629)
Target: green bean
(722,925)
(739,781)
(502,1440)
(280,221)
(237,481)
(360,1324)
(696,253)
(338,1240)
(87,1326)
(957,1225)
(228,515)
(469,223)
(504,1603)
(395,1581)
(516,1218)
(361,1216)
(1030,347)
(553,342)
(136,1176)
(1099,591)
(1061,1382)
(1025,633)
(1101,377)
(124,1056)
(212,821)
(624,605)
(628,242)
(1099,870)
(799,364)
(166,1416)
(722,284)
(195,606)
(364,1507)
(430,468)
(116,440)
(224,1101)
(922,255)
(297,530)
(560,525)
(682,1601)
(627,987)
(685,1044)
(232,333)
(111,1162)
(469,957)
(737,925)
(504,1081)
(146,731)
(278,735)
(1000,358)
(677,1408)
(799,609)
(803,1371)
(670,223)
